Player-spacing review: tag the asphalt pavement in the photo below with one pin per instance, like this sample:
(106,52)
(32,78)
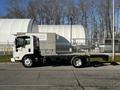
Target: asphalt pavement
(13,76)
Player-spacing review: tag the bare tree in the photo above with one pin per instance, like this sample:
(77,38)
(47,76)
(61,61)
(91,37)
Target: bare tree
(15,9)
(32,9)
(94,15)
(108,21)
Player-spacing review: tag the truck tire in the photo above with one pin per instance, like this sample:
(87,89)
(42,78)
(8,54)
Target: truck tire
(77,62)
(27,61)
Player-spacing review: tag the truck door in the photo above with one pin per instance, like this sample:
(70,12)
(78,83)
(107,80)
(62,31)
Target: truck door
(23,46)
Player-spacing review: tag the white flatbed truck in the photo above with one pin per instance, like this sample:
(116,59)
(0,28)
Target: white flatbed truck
(32,48)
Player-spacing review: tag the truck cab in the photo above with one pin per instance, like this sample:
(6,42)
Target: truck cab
(25,47)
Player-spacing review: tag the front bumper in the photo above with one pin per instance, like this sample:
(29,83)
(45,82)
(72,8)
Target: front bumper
(12,60)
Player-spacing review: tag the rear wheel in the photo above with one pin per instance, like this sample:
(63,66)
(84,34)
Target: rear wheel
(27,61)
(77,62)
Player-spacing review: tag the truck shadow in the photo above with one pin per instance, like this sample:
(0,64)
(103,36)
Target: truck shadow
(90,64)
(97,64)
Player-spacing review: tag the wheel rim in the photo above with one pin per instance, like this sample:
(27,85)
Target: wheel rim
(28,62)
(78,62)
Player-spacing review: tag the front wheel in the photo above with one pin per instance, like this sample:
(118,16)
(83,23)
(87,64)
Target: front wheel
(27,61)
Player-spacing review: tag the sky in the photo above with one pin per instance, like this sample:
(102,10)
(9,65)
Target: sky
(3,7)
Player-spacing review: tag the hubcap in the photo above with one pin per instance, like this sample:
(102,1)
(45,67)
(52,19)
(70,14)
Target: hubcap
(28,62)
(78,62)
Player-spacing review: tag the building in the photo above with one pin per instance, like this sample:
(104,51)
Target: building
(9,27)
(78,33)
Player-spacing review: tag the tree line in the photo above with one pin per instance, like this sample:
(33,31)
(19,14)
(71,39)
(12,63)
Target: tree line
(95,15)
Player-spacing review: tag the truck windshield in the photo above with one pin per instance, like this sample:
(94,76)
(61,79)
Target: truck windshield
(22,41)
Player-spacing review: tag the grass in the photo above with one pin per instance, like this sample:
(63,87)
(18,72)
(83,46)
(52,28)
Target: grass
(5,58)
(117,59)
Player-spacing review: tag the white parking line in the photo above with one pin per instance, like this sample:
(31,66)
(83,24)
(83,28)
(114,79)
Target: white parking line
(38,86)
(8,63)
(26,85)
